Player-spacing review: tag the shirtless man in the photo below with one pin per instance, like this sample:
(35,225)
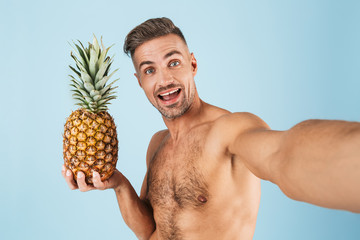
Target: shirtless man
(204,170)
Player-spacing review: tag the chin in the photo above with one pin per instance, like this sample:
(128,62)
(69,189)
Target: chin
(172,115)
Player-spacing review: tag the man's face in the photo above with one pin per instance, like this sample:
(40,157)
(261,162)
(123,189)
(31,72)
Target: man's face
(165,70)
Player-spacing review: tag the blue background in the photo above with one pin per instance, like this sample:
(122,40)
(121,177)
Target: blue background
(286,61)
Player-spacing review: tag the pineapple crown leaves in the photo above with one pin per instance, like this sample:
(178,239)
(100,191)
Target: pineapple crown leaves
(89,85)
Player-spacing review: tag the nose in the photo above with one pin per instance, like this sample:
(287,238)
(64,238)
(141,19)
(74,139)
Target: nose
(164,77)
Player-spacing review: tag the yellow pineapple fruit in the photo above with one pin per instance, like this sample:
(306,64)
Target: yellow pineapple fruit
(90,139)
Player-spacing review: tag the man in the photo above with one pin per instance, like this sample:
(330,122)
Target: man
(204,170)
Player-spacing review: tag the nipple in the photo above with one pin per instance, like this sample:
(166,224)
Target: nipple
(202,199)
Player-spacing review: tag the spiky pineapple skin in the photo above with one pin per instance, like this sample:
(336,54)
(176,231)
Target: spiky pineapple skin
(90,144)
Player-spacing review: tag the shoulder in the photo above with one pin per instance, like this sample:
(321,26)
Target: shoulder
(228,127)
(154,144)
(239,120)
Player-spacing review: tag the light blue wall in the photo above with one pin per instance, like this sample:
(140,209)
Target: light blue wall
(285,61)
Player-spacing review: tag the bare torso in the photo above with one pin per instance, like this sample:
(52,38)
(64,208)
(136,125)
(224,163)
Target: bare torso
(199,191)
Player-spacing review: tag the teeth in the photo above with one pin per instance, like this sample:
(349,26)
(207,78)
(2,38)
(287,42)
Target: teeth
(165,94)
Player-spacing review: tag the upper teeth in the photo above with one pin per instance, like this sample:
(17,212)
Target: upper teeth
(165,94)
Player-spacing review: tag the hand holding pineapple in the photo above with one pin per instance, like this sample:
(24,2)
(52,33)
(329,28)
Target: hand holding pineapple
(90,141)
(113,182)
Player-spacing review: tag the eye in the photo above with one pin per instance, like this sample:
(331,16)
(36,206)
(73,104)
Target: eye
(149,71)
(174,63)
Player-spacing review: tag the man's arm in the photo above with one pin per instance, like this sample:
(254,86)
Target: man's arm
(138,214)
(136,211)
(316,161)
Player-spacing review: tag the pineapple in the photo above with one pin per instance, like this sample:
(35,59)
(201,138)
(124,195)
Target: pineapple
(90,138)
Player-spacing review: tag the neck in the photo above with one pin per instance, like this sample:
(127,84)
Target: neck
(181,125)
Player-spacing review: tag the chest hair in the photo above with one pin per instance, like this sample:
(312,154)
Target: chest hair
(175,182)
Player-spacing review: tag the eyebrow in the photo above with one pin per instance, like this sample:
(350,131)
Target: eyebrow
(169,54)
(145,62)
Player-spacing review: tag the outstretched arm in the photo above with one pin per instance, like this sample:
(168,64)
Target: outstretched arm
(316,161)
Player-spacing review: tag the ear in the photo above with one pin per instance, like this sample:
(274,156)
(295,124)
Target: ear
(193,64)
(137,77)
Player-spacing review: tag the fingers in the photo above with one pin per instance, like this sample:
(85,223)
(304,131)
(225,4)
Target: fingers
(83,187)
(97,181)
(80,183)
(63,169)
(67,174)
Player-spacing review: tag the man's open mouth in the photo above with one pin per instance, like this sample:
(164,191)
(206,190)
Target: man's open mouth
(169,96)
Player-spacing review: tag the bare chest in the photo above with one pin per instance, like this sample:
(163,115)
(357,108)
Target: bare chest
(175,183)
(175,177)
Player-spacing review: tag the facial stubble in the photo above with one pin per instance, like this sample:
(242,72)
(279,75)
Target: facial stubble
(180,108)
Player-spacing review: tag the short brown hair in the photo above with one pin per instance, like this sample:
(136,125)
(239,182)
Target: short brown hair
(150,29)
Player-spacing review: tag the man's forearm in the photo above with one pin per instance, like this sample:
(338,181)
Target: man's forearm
(136,213)
(320,164)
